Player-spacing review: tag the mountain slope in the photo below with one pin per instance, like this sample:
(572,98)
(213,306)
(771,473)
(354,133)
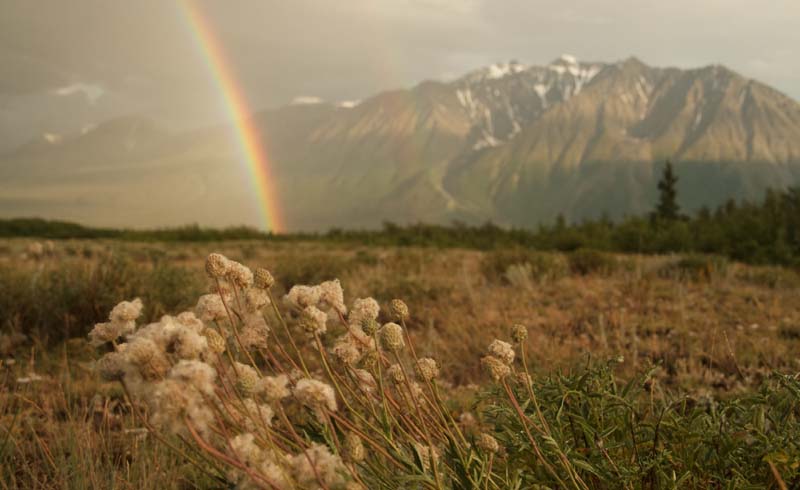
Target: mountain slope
(514,144)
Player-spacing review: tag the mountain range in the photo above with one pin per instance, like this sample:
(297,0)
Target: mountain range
(514,144)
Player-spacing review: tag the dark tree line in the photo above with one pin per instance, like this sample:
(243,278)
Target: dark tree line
(755,232)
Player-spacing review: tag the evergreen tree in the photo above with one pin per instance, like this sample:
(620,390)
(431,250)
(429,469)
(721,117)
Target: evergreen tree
(667,208)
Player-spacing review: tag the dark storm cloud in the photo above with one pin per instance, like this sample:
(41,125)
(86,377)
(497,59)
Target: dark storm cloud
(144,57)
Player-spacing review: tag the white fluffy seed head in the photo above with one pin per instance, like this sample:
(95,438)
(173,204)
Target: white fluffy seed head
(366,382)
(255,332)
(256,298)
(313,320)
(110,331)
(345,351)
(496,368)
(111,366)
(502,350)
(188,344)
(487,443)
(194,374)
(239,275)
(317,462)
(126,311)
(274,388)
(245,449)
(363,309)
(315,395)
(301,296)
(210,308)
(331,296)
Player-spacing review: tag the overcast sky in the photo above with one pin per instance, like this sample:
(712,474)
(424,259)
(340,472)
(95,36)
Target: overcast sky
(140,57)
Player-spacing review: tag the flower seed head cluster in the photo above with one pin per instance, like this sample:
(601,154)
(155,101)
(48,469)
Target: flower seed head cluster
(214,340)
(255,332)
(122,321)
(313,320)
(369,327)
(363,310)
(239,275)
(126,311)
(254,416)
(487,443)
(274,388)
(395,373)
(519,333)
(496,368)
(256,298)
(316,395)
(173,404)
(346,351)
(392,337)
(427,369)
(210,308)
(111,366)
(109,332)
(272,466)
(502,350)
(354,447)
(331,297)
(366,382)
(398,309)
(246,379)
(216,266)
(195,374)
(327,466)
(425,454)
(147,358)
(262,278)
(300,296)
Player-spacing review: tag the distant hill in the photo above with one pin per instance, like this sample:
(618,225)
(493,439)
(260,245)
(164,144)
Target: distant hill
(514,144)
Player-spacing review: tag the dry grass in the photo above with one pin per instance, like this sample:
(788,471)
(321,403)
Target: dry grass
(721,330)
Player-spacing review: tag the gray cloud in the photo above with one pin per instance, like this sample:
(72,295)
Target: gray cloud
(146,60)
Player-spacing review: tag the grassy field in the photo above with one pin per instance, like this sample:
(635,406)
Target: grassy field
(680,329)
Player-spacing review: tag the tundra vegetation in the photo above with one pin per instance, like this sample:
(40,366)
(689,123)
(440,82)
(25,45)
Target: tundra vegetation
(174,365)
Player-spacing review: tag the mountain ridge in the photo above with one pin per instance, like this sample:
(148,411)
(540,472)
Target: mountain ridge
(510,143)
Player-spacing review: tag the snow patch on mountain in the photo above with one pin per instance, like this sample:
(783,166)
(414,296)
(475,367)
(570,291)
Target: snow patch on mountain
(306,100)
(504,98)
(52,138)
(348,104)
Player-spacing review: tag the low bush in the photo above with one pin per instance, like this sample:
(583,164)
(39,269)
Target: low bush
(587,261)
(58,299)
(696,267)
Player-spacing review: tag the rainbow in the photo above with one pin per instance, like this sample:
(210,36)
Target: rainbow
(254,152)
